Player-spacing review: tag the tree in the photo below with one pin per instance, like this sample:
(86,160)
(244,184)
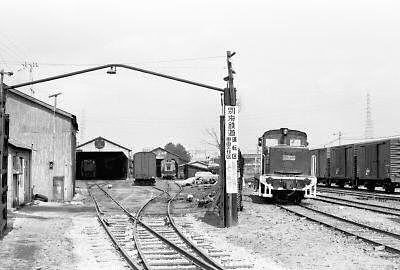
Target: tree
(178,150)
(214,139)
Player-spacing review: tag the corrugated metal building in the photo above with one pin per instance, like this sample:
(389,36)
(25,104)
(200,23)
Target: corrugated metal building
(191,168)
(52,166)
(102,159)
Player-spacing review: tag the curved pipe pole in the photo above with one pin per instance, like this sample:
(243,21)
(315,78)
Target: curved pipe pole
(115,65)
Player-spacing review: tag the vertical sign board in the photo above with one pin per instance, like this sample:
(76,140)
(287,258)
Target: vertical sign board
(231,148)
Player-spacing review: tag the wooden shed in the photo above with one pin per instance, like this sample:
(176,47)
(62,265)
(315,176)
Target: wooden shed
(100,158)
(52,141)
(191,168)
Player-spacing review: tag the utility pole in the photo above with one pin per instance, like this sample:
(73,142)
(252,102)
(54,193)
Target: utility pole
(339,137)
(369,127)
(229,151)
(31,66)
(54,127)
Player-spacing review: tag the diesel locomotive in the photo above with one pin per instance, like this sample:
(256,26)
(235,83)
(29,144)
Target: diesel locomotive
(168,169)
(285,166)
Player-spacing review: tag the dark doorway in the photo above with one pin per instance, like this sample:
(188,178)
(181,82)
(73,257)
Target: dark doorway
(158,167)
(101,165)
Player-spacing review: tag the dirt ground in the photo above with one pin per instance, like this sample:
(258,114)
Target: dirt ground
(295,243)
(68,236)
(57,236)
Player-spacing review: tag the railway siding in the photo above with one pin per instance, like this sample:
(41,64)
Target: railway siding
(157,244)
(390,241)
(394,211)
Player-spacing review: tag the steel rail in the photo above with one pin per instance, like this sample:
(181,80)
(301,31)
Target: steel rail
(367,194)
(366,206)
(195,260)
(123,252)
(135,237)
(187,241)
(70,74)
(375,242)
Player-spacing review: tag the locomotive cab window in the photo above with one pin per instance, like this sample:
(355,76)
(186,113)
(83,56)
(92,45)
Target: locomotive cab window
(271,142)
(295,142)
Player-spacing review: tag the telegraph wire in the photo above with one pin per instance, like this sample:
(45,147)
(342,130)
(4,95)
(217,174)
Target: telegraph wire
(128,63)
(17,50)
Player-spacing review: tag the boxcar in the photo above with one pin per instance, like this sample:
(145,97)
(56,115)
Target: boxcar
(372,164)
(378,164)
(341,165)
(320,163)
(144,167)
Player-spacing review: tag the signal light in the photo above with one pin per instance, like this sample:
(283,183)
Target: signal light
(260,141)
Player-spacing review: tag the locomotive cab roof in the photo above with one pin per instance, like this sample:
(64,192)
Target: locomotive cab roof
(283,137)
(285,131)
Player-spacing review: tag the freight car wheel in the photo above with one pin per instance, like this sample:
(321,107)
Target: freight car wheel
(370,187)
(296,199)
(389,188)
(328,183)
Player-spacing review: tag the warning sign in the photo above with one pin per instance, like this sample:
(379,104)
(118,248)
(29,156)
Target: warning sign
(231,148)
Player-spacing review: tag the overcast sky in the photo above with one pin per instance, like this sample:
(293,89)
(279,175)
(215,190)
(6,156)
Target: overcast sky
(304,65)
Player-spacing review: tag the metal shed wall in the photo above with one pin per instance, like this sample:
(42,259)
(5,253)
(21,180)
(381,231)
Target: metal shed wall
(31,122)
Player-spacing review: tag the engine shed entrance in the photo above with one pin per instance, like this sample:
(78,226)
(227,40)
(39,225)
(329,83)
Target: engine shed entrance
(164,155)
(102,159)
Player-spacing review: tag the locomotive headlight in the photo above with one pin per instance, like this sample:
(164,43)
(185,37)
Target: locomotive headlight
(285,131)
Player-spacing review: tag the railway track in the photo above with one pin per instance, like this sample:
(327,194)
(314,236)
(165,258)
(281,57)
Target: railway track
(389,240)
(365,194)
(150,238)
(360,205)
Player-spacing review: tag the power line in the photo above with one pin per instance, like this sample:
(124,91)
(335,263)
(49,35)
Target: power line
(128,63)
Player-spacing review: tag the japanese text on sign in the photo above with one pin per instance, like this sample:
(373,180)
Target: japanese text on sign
(231,148)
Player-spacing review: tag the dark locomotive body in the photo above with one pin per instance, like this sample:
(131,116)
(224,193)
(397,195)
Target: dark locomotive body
(372,164)
(88,169)
(285,166)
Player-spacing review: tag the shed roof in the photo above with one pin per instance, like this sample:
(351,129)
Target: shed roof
(102,138)
(196,164)
(160,148)
(19,144)
(44,105)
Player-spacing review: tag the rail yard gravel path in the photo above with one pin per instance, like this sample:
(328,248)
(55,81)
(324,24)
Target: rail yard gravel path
(381,221)
(378,202)
(296,243)
(69,237)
